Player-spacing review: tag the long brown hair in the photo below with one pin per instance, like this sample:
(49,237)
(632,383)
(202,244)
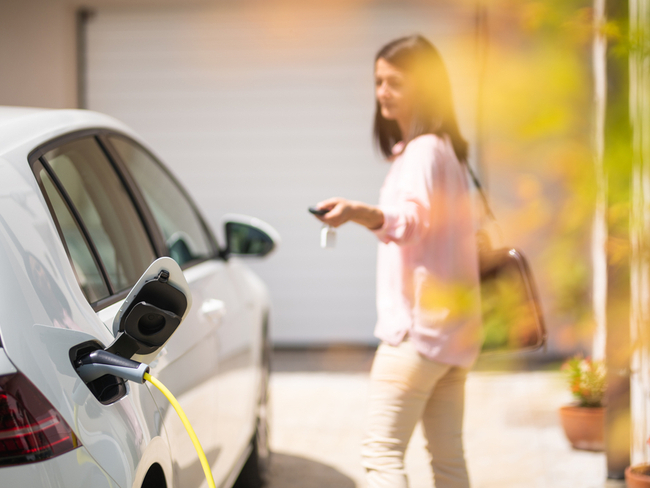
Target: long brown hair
(434,112)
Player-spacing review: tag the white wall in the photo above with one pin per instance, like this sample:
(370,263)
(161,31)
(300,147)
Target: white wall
(265,109)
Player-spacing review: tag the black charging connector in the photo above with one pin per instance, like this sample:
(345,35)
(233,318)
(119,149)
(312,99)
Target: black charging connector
(99,363)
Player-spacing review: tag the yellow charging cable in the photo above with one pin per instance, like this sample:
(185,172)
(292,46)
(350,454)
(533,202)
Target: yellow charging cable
(188,427)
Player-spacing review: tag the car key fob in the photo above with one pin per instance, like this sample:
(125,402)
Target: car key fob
(317,211)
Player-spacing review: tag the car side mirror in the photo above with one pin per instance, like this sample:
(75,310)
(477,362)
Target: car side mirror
(152,311)
(248,236)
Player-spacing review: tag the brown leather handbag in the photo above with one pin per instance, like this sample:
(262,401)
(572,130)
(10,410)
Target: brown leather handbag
(512,315)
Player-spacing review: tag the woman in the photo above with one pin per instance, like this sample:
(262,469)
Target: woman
(427,269)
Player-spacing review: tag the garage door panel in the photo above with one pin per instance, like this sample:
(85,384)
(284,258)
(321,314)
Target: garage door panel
(265,108)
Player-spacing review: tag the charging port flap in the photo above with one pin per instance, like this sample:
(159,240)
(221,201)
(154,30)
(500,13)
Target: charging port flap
(153,310)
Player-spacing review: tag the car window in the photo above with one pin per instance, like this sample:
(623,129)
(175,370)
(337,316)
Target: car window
(105,208)
(183,230)
(88,274)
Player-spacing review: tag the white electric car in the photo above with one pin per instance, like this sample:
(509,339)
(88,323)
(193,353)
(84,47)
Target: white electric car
(85,209)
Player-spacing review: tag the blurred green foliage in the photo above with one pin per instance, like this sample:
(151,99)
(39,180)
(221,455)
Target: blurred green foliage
(539,94)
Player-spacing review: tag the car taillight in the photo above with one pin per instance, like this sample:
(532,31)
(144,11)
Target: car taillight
(30,428)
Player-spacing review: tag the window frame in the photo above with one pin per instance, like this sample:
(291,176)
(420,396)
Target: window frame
(153,231)
(40,165)
(215,251)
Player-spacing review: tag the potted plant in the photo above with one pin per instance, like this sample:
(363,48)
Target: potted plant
(638,476)
(584,420)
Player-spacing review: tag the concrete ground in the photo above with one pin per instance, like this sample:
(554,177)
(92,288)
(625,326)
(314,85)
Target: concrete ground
(512,434)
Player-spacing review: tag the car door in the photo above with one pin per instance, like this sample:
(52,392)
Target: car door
(209,362)
(109,248)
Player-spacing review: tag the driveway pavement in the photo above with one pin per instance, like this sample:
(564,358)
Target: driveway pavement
(512,434)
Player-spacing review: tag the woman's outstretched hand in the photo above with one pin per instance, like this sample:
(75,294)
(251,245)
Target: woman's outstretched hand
(341,211)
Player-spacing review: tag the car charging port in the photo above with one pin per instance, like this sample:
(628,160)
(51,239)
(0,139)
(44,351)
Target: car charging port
(107,388)
(149,315)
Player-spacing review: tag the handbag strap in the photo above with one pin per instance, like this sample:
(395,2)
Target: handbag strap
(479,188)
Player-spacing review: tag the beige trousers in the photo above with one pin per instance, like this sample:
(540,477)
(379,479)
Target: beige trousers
(404,388)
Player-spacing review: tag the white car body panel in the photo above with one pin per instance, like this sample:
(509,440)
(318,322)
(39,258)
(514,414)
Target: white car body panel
(214,355)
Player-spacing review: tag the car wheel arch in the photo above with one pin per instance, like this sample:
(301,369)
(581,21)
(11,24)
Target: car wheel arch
(155,477)
(155,460)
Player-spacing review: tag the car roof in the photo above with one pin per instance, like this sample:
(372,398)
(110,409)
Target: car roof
(31,127)
(10,114)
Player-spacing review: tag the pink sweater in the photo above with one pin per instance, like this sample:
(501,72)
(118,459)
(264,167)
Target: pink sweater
(427,265)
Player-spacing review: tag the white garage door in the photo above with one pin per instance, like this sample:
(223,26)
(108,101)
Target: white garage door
(264,110)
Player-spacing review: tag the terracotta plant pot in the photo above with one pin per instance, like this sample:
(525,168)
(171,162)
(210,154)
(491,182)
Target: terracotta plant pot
(638,476)
(584,427)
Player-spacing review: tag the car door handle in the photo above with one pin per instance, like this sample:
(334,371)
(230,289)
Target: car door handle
(213,309)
